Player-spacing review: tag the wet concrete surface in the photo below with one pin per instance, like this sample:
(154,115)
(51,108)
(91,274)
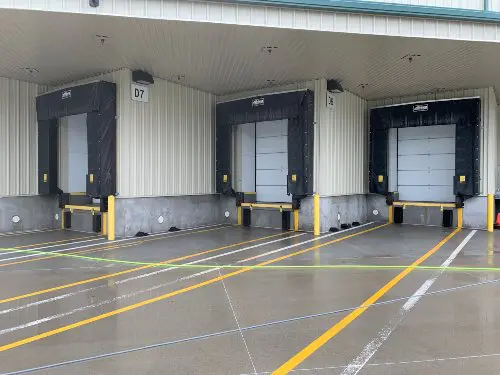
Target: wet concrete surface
(164,304)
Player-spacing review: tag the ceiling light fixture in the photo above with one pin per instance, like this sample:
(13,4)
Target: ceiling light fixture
(142,78)
(101,38)
(411,56)
(268,49)
(31,70)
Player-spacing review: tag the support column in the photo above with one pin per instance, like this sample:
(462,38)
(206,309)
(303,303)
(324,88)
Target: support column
(316,215)
(111,218)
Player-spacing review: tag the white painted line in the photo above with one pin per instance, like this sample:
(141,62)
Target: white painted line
(371,348)
(48,247)
(155,287)
(56,298)
(133,294)
(164,234)
(209,258)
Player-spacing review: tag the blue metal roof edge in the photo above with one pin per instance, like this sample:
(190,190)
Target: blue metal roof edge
(359,6)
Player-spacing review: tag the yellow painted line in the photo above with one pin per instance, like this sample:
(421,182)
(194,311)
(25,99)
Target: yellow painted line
(134,306)
(56,242)
(305,353)
(86,281)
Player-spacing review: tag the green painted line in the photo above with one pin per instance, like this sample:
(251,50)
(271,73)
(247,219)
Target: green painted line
(271,267)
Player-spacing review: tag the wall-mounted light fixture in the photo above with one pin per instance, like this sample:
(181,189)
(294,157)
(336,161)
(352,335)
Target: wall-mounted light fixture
(142,78)
(334,86)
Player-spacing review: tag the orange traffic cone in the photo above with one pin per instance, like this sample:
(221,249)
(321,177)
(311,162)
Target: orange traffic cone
(497,221)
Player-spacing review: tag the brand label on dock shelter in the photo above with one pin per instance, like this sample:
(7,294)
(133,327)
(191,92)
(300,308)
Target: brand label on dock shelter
(257,102)
(421,108)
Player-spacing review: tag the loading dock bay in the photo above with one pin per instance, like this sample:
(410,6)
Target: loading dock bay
(294,190)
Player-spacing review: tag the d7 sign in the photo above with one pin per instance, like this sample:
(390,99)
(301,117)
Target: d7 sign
(140,93)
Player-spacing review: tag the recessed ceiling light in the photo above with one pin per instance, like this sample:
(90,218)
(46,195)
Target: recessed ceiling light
(31,70)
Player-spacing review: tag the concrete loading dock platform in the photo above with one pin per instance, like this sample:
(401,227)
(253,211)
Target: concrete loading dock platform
(364,316)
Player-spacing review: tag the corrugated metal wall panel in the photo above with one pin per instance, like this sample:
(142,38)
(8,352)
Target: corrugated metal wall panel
(342,145)
(461,4)
(489,120)
(18,137)
(166,146)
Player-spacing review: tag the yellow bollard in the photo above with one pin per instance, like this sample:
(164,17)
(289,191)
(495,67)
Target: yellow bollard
(296,220)
(460,218)
(62,219)
(391,215)
(240,215)
(111,218)
(316,215)
(490,212)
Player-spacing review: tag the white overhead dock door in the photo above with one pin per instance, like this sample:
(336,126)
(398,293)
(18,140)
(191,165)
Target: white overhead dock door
(426,163)
(271,149)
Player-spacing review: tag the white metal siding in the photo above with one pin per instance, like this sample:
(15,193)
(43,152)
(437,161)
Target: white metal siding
(461,4)
(167,145)
(341,146)
(18,137)
(489,126)
(282,17)
(164,147)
